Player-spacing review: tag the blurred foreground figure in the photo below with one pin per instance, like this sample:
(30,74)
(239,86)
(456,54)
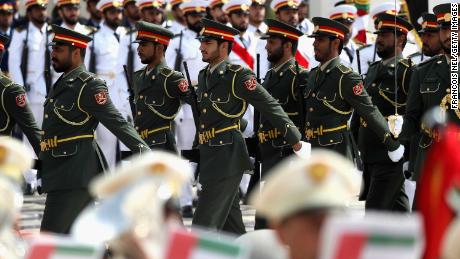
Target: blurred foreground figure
(136,207)
(313,188)
(15,159)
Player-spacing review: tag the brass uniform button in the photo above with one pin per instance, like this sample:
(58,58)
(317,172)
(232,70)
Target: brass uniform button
(311,109)
(46,116)
(204,110)
(205,94)
(141,97)
(139,113)
(51,100)
(313,95)
(202,126)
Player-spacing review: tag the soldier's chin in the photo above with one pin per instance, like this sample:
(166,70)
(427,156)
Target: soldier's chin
(58,68)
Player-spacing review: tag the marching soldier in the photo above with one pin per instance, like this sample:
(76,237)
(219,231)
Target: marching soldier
(75,105)
(69,11)
(368,53)
(15,109)
(224,91)
(430,87)
(131,14)
(26,61)
(333,92)
(216,11)
(95,16)
(178,24)
(430,38)
(103,51)
(7,10)
(283,82)
(346,15)
(186,47)
(257,17)
(158,89)
(385,183)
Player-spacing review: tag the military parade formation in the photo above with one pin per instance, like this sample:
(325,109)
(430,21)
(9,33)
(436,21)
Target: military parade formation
(200,106)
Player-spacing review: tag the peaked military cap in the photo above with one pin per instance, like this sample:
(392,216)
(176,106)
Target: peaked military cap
(328,27)
(125,2)
(443,15)
(429,23)
(344,13)
(216,3)
(3,41)
(281,29)
(103,5)
(41,3)
(278,5)
(389,22)
(196,6)
(257,2)
(149,32)
(238,6)
(7,6)
(75,3)
(69,37)
(158,4)
(216,31)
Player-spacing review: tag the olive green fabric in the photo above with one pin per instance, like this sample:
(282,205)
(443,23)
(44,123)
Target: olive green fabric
(14,110)
(380,85)
(157,97)
(331,97)
(75,105)
(429,87)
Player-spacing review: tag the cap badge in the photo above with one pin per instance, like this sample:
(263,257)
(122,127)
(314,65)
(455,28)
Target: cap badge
(318,172)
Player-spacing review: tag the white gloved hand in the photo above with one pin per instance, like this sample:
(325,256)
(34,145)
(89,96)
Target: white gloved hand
(405,166)
(396,155)
(39,182)
(395,123)
(304,151)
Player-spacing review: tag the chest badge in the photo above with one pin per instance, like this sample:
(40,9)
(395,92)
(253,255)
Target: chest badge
(101,97)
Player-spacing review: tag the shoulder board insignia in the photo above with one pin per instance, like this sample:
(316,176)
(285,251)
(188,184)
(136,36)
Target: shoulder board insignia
(140,70)
(405,62)
(293,69)
(234,68)
(364,46)
(167,72)
(415,54)
(344,69)
(428,61)
(5,81)
(85,76)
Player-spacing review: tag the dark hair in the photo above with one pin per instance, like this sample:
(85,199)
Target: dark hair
(331,38)
(165,47)
(293,42)
(398,33)
(82,51)
(230,45)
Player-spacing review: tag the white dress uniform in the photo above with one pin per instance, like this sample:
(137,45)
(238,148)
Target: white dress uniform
(176,27)
(34,38)
(189,47)
(105,45)
(306,26)
(257,30)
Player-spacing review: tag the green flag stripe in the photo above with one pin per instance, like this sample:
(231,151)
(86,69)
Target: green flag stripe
(386,240)
(218,247)
(78,250)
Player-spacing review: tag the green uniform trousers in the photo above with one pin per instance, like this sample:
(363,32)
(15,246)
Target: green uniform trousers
(62,208)
(386,187)
(219,206)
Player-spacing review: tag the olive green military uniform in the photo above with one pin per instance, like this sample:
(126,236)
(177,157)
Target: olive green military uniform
(69,153)
(331,96)
(429,87)
(284,87)
(158,95)
(222,99)
(386,181)
(14,110)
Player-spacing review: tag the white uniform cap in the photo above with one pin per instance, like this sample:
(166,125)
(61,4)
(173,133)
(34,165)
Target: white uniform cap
(326,180)
(236,5)
(275,5)
(104,4)
(388,7)
(150,3)
(198,6)
(344,11)
(15,158)
(166,168)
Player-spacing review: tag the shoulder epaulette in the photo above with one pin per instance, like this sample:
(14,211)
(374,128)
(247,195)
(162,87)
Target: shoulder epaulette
(293,69)
(405,62)
(374,63)
(344,69)
(166,71)
(140,70)
(415,54)
(364,46)
(234,68)
(428,61)
(5,81)
(91,29)
(85,76)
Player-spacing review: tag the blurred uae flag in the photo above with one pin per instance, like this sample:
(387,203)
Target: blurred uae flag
(59,247)
(202,245)
(377,235)
(438,195)
(362,20)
